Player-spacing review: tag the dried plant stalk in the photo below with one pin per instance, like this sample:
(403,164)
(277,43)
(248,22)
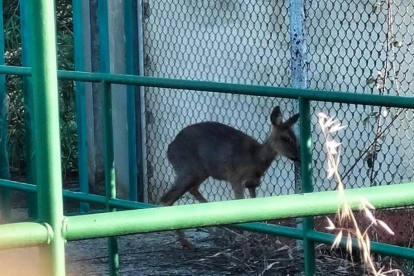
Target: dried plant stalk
(345,214)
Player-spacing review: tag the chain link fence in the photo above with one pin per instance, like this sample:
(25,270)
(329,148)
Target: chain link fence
(365,47)
(354,46)
(227,41)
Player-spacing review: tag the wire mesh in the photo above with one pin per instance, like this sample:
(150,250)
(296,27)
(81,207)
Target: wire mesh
(357,45)
(230,41)
(365,47)
(353,46)
(376,145)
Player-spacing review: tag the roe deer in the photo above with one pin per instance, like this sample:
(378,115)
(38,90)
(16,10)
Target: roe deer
(211,149)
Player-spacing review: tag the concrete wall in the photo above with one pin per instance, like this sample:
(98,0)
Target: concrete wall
(94,97)
(119,94)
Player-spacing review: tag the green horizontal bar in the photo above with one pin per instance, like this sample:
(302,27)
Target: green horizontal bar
(132,205)
(231,212)
(18,186)
(82,197)
(259,227)
(270,229)
(16,70)
(241,89)
(129,205)
(23,234)
(380,248)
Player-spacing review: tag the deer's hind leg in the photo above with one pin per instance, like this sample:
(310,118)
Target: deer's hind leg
(252,192)
(239,194)
(197,195)
(183,184)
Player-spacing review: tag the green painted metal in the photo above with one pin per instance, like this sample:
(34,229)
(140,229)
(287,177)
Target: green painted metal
(255,226)
(110,187)
(140,102)
(46,132)
(380,248)
(24,234)
(238,89)
(134,145)
(4,157)
(209,214)
(43,102)
(306,177)
(80,102)
(104,57)
(83,197)
(18,186)
(28,104)
(15,70)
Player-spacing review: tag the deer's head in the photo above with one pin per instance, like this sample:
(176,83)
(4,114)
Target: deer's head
(282,139)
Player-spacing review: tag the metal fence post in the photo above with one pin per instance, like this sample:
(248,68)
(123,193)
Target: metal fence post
(46,132)
(131,51)
(110,185)
(28,105)
(80,103)
(140,108)
(4,157)
(307,187)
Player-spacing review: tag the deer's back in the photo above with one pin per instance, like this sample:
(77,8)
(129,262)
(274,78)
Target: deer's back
(213,148)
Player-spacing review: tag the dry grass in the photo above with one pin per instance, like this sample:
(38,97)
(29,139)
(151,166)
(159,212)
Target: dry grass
(348,226)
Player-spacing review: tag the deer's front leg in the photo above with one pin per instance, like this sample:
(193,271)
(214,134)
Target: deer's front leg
(252,192)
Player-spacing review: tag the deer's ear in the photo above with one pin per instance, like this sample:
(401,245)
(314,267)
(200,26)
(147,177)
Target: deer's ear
(292,120)
(276,116)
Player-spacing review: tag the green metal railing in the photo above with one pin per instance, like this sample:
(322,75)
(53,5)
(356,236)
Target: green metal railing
(28,105)
(53,228)
(110,187)
(306,178)
(46,133)
(4,158)
(80,102)
(304,97)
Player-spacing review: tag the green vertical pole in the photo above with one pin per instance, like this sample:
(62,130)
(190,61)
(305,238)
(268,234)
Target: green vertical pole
(47,133)
(4,157)
(131,54)
(306,176)
(28,105)
(110,188)
(140,104)
(80,103)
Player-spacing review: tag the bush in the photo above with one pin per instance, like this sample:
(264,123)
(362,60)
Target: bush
(67,109)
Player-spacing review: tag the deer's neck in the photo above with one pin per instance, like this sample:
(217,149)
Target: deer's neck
(267,152)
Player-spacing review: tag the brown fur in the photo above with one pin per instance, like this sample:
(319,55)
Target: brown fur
(216,150)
